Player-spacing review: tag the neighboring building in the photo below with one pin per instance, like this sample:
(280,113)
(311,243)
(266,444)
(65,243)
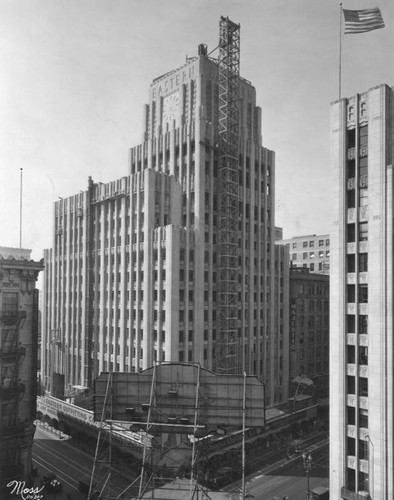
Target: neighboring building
(18,362)
(311,251)
(309,329)
(278,233)
(361,297)
(15,253)
(132,277)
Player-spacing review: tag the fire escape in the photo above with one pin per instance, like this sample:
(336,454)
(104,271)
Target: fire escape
(229,50)
(11,389)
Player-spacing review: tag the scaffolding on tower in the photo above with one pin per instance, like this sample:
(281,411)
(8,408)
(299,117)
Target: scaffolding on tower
(229,50)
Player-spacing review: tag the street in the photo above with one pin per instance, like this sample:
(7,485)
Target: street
(287,477)
(71,465)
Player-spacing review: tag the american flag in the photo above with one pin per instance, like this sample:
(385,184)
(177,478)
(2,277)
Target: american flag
(361,21)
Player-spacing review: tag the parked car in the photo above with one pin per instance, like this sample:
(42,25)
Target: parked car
(321,493)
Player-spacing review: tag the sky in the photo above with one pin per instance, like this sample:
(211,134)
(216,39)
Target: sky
(75,74)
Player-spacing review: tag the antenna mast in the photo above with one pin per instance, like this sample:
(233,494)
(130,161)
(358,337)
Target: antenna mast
(229,52)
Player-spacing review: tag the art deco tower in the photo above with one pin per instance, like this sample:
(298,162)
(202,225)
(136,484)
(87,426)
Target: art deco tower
(144,268)
(361,321)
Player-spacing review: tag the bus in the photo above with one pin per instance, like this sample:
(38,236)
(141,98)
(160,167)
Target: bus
(320,493)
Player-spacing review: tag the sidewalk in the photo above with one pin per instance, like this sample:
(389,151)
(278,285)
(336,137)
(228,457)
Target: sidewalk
(51,431)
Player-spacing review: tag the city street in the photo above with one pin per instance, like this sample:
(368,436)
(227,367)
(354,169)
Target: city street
(71,465)
(51,454)
(287,477)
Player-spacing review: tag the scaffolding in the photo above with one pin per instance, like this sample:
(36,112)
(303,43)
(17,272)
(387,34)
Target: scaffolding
(175,409)
(154,475)
(228,237)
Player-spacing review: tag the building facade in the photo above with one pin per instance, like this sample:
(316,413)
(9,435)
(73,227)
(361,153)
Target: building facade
(132,277)
(361,318)
(18,363)
(309,329)
(311,251)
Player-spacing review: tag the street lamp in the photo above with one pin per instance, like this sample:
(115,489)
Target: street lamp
(307,461)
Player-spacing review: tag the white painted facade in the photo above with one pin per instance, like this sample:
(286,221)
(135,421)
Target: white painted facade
(361,301)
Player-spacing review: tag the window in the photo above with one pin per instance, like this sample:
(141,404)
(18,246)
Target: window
(311,255)
(363,231)
(305,255)
(363,324)
(351,233)
(363,166)
(304,244)
(351,354)
(351,169)
(351,385)
(363,293)
(363,355)
(363,386)
(351,263)
(351,199)
(321,243)
(351,134)
(327,242)
(351,415)
(10,302)
(351,293)
(351,323)
(363,135)
(363,262)
(311,243)
(294,256)
(312,267)
(321,253)
(294,245)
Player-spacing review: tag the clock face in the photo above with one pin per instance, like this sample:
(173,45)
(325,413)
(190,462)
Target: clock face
(170,107)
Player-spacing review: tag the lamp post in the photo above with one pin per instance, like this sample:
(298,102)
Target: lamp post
(307,461)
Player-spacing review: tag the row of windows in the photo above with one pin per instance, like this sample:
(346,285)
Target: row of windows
(322,266)
(362,232)
(362,263)
(362,354)
(311,243)
(312,255)
(362,323)
(362,293)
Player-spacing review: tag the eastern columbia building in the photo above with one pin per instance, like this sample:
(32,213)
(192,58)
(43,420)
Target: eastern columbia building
(132,275)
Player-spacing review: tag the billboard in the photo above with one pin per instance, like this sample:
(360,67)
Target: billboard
(172,392)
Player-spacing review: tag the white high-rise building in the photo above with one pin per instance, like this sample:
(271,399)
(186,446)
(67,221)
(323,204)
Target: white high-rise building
(132,277)
(361,301)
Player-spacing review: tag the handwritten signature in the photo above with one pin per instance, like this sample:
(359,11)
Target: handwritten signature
(19,488)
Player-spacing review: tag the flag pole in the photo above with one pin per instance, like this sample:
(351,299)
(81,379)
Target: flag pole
(340,50)
(20,208)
